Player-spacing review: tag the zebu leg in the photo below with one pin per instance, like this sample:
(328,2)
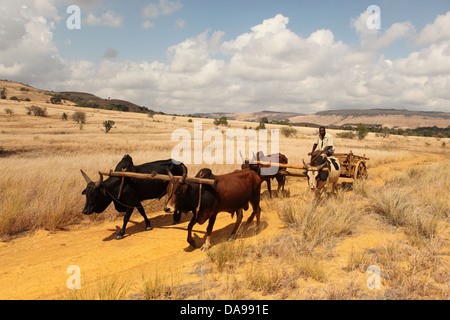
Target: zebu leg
(207,244)
(239,216)
(256,208)
(147,222)
(125,221)
(190,226)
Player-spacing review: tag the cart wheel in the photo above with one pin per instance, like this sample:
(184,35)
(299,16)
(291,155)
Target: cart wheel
(360,170)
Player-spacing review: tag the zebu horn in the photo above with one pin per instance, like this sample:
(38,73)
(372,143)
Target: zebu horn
(169,173)
(184,175)
(85,176)
(99,181)
(242,157)
(321,166)
(304,163)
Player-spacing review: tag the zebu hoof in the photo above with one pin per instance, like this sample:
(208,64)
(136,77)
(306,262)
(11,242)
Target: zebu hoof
(192,243)
(148,228)
(120,236)
(205,247)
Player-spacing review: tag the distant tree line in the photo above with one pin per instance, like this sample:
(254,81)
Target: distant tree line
(421,131)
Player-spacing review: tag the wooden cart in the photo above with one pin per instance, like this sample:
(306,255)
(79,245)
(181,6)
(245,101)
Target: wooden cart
(352,166)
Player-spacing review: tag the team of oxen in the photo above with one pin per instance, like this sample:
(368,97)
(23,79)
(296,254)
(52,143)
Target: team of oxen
(231,192)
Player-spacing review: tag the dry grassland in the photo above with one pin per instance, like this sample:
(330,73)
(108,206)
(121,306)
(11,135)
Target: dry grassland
(397,219)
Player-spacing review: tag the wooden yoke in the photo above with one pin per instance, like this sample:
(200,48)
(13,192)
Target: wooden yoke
(282,165)
(155,176)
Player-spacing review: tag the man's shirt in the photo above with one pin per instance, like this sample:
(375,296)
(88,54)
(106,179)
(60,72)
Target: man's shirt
(327,141)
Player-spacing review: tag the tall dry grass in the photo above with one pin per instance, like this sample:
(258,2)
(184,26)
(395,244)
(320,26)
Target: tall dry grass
(319,221)
(403,202)
(106,289)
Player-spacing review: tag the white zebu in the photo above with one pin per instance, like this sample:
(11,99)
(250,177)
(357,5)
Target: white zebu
(318,179)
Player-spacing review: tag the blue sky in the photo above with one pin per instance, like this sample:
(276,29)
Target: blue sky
(183,56)
(234,17)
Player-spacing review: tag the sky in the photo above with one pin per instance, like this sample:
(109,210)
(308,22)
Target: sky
(200,56)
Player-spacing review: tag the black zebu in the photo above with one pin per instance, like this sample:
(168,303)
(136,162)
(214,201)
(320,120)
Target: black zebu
(100,194)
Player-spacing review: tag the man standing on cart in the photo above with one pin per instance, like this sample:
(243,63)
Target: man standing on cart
(324,142)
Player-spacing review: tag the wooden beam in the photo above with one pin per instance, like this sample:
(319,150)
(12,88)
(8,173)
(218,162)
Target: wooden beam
(155,176)
(282,165)
(291,174)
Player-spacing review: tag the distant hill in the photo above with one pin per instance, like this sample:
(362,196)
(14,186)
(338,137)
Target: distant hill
(390,118)
(24,91)
(382,112)
(89,100)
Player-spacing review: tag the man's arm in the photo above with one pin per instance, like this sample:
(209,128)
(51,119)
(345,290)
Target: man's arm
(313,149)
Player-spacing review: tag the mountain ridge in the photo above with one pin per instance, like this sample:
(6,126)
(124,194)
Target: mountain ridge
(392,118)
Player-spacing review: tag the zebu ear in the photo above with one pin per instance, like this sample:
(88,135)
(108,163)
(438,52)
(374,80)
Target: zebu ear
(99,181)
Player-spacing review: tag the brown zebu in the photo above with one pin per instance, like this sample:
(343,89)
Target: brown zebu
(274,158)
(232,193)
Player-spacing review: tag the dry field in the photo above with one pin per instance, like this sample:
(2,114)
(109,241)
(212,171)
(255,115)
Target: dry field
(396,220)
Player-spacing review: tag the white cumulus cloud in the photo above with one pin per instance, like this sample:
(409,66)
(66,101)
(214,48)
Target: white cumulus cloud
(268,67)
(108,18)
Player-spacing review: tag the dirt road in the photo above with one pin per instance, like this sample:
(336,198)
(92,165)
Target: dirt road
(34,267)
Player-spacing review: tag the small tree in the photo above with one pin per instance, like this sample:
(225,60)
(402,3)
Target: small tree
(221,121)
(79,117)
(108,124)
(362,131)
(36,111)
(9,111)
(56,99)
(288,132)
(3,93)
(261,126)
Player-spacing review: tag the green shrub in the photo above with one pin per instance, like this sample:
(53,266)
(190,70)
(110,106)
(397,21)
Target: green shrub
(36,111)
(108,125)
(221,121)
(362,131)
(288,132)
